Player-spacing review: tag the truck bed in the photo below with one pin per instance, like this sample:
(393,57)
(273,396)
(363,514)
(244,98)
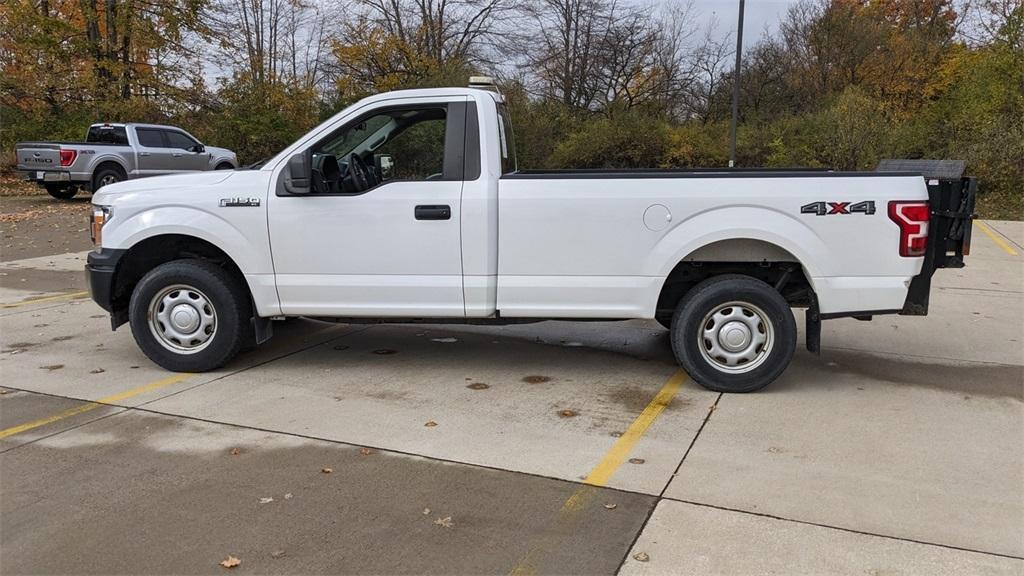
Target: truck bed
(605,173)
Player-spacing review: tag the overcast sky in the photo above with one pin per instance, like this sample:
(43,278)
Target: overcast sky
(760,14)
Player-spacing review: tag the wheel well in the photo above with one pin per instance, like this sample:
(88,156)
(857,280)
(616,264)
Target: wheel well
(157,250)
(762,260)
(109,164)
(103,165)
(224,165)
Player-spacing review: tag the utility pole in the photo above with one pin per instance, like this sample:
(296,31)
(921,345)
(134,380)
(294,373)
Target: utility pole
(736,88)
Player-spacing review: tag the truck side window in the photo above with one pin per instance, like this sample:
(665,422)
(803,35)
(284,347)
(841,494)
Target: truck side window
(508,142)
(179,140)
(150,138)
(397,144)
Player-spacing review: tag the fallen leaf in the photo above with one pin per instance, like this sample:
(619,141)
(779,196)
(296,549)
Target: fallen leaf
(444,340)
(366,451)
(230,562)
(327,470)
(446,522)
(611,506)
(277,554)
(52,367)
(97,371)
(430,424)
(235,451)
(266,500)
(637,460)
(641,557)
(567,413)
(288,496)
(426,511)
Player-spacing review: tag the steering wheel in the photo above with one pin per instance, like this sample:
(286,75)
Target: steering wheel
(356,168)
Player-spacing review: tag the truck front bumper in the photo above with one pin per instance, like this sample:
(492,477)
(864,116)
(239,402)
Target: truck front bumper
(100,268)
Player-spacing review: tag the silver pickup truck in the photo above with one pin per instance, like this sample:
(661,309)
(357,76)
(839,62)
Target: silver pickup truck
(115,152)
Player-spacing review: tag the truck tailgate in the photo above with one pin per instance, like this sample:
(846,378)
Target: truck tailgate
(38,156)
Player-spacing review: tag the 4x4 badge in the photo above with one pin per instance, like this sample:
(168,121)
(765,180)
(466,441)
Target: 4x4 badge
(826,208)
(231,202)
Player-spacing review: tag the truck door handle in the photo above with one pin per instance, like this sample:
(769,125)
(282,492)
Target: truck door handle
(434,212)
(143,153)
(176,154)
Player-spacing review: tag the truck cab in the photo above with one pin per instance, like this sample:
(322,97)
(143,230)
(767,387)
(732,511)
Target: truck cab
(409,206)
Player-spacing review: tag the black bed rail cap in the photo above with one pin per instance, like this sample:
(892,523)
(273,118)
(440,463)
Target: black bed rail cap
(941,169)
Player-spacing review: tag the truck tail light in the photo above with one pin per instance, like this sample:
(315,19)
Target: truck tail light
(67,157)
(912,218)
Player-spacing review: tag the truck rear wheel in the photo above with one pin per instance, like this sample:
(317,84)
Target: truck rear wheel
(733,333)
(106,175)
(61,191)
(189,315)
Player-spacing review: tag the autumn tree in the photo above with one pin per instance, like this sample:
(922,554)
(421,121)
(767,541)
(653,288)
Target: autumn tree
(388,44)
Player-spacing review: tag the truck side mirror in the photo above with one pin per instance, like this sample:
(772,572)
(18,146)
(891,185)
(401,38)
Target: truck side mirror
(385,165)
(297,174)
(198,149)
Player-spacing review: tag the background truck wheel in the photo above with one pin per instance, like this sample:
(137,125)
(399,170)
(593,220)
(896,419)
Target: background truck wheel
(224,166)
(61,191)
(189,315)
(733,333)
(106,175)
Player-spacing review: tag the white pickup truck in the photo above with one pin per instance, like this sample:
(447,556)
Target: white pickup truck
(408,207)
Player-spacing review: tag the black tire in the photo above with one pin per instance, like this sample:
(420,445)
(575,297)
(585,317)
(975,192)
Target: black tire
(106,175)
(224,166)
(61,191)
(225,296)
(735,303)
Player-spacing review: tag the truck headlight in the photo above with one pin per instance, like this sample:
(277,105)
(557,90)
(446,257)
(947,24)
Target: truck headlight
(100,216)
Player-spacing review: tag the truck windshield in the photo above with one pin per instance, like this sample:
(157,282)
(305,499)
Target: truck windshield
(107,135)
(508,142)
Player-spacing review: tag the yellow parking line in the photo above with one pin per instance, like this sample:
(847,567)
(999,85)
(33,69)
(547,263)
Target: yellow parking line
(92,406)
(600,475)
(995,238)
(70,296)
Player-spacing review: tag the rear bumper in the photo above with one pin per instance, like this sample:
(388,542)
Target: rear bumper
(43,177)
(100,267)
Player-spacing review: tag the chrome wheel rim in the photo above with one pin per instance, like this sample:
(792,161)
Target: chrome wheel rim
(736,337)
(182,319)
(108,179)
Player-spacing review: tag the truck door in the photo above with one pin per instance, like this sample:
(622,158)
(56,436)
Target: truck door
(155,157)
(386,243)
(184,152)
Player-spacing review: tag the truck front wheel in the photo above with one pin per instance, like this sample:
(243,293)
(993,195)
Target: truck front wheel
(733,333)
(189,315)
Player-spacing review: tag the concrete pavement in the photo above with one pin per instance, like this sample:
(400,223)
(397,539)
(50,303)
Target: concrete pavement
(568,448)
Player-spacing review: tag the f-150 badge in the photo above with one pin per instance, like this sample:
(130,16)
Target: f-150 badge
(826,208)
(232,202)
